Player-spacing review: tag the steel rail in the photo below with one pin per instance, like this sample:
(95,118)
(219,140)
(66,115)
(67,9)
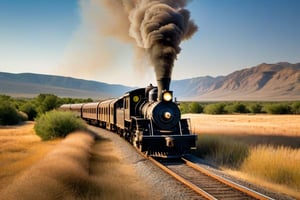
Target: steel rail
(228,182)
(183,180)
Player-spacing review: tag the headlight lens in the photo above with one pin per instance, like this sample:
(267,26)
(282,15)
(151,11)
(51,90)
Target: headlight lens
(167,115)
(167,96)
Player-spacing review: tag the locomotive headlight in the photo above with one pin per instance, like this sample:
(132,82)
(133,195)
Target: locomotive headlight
(167,96)
(167,115)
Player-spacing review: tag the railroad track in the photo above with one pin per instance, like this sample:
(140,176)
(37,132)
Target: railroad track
(204,182)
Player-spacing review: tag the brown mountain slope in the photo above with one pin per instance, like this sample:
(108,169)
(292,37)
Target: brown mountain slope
(280,81)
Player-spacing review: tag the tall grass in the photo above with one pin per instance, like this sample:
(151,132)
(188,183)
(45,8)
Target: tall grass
(221,150)
(276,164)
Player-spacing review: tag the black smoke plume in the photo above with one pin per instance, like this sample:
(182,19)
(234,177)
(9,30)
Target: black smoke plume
(155,27)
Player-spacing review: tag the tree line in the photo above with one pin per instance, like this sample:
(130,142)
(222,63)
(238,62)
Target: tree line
(292,107)
(15,110)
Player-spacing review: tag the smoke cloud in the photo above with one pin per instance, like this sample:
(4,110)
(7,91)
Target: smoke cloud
(154,28)
(158,27)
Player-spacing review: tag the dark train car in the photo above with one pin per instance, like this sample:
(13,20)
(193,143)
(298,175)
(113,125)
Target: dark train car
(126,107)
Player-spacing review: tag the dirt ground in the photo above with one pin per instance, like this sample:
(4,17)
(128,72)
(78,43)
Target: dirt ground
(275,125)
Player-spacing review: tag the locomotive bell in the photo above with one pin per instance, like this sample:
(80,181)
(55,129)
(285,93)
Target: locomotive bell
(152,95)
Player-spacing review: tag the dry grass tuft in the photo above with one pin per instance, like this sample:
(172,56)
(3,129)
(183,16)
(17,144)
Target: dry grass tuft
(279,165)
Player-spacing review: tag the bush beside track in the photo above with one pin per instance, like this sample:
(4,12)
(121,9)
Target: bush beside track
(55,124)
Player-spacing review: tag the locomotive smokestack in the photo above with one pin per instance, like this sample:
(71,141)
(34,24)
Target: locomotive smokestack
(162,84)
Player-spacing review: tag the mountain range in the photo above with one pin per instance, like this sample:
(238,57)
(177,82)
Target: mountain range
(264,82)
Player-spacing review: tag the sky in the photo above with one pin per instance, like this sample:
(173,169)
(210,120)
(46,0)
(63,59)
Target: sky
(65,37)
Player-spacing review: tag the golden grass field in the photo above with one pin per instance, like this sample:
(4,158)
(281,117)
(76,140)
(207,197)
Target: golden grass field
(260,124)
(274,141)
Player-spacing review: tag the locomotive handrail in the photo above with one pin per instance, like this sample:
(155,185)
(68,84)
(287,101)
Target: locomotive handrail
(180,128)
(151,128)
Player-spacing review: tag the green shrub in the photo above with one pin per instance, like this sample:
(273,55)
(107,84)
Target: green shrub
(46,102)
(8,114)
(216,108)
(55,124)
(236,108)
(30,109)
(221,150)
(277,108)
(184,107)
(296,107)
(195,107)
(254,108)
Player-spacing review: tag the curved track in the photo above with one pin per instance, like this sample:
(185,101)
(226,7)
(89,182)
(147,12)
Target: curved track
(204,182)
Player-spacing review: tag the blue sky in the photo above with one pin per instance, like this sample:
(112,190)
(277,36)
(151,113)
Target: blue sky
(50,37)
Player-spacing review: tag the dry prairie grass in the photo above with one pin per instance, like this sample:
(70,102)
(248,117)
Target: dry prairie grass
(280,165)
(77,168)
(273,142)
(279,125)
(63,173)
(20,148)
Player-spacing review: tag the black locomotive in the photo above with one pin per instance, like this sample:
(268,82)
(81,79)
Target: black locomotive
(147,117)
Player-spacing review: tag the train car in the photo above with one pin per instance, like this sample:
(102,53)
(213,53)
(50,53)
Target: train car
(106,114)
(90,112)
(77,109)
(65,107)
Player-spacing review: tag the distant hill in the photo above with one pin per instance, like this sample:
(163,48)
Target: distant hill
(280,81)
(30,85)
(264,82)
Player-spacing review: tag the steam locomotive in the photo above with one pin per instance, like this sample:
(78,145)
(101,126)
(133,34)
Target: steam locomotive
(147,117)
